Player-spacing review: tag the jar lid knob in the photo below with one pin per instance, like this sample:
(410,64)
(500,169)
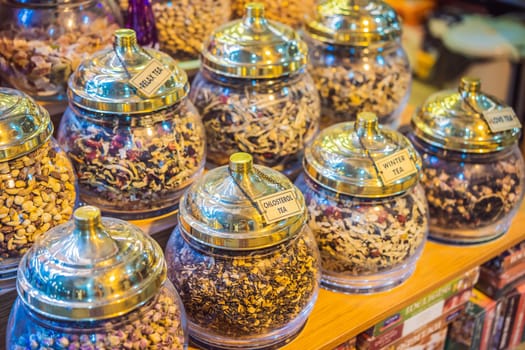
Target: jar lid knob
(93,243)
(241,163)
(254,16)
(367,124)
(469,85)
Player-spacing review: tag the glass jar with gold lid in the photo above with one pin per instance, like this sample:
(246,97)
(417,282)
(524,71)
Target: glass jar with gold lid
(95,283)
(242,257)
(473,170)
(37,182)
(43,41)
(135,139)
(366,207)
(357,61)
(254,94)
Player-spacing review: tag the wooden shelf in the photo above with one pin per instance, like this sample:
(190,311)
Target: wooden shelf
(338,317)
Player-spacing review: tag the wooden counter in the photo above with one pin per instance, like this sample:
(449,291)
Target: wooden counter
(337,317)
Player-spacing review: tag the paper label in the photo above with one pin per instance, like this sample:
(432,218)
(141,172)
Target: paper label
(151,78)
(502,119)
(279,206)
(395,166)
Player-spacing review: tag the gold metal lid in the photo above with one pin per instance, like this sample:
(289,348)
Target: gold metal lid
(344,158)
(90,268)
(103,83)
(454,120)
(223,210)
(24,125)
(354,22)
(254,47)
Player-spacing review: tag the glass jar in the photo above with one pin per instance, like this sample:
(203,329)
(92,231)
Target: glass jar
(37,183)
(95,283)
(243,259)
(473,175)
(43,41)
(289,12)
(366,207)
(254,94)
(133,154)
(357,61)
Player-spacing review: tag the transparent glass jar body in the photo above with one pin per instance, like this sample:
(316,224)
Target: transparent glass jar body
(158,324)
(37,192)
(472,198)
(290,12)
(249,299)
(366,245)
(273,120)
(353,79)
(41,45)
(134,166)
(183,26)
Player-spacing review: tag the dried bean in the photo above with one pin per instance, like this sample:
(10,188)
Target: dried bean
(139,167)
(290,12)
(156,325)
(25,213)
(243,295)
(39,63)
(352,80)
(364,236)
(184,25)
(273,121)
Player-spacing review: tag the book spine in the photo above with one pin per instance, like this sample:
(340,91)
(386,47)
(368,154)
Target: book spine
(510,312)
(519,321)
(490,314)
(500,280)
(499,320)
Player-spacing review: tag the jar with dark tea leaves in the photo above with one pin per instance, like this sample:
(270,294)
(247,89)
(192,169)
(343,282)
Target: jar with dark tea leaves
(135,139)
(242,257)
(254,93)
(357,61)
(366,207)
(473,170)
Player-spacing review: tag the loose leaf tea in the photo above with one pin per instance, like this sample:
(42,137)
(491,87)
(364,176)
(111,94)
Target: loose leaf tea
(156,325)
(134,163)
(244,294)
(469,194)
(37,193)
(273,121)
(358,236)
(352,80)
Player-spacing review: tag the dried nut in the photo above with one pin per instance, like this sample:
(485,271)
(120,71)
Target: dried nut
(22,212)
(40,60)
(156,325)
(273,123)
(183,26)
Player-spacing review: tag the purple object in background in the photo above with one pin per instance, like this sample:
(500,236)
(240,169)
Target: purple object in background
(140,18)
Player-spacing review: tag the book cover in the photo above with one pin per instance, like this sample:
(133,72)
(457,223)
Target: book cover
(468,330)
(510,311)
(443,309)
(501,279)
(499,320)
(508,258)
(465,281)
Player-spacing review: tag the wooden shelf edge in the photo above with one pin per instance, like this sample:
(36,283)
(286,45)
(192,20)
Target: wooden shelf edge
(338,317)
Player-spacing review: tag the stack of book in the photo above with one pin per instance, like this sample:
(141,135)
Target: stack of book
(494,316)
(424,323)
